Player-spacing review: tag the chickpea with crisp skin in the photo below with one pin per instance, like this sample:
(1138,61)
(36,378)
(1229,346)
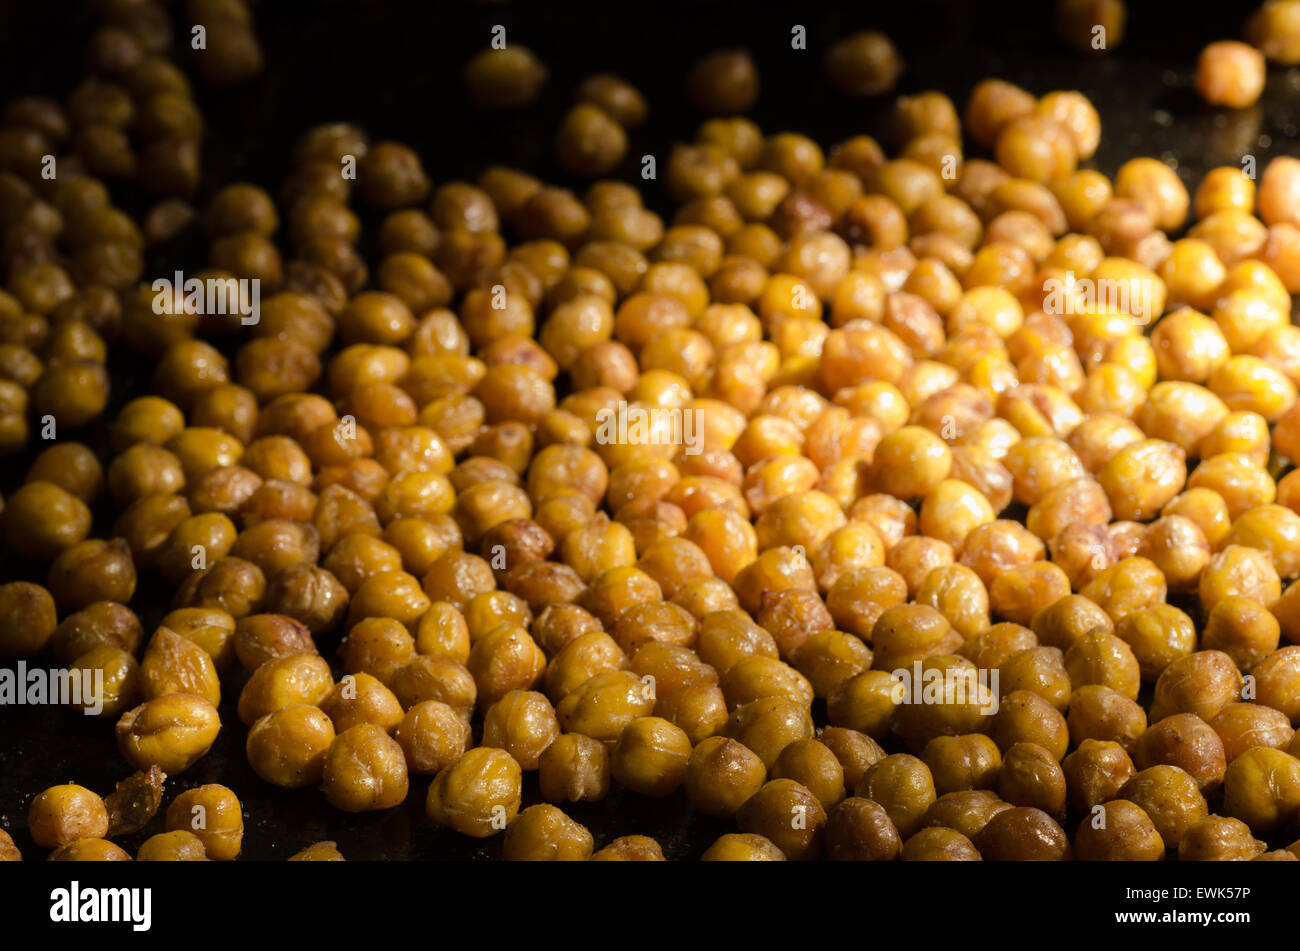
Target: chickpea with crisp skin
(63,814)
(288,748)
(478,794)
(364,769)
(212,813)
(544,833)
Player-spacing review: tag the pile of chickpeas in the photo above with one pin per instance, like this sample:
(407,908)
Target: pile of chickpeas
(403,562)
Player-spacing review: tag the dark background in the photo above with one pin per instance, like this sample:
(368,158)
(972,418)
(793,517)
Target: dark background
(395,69)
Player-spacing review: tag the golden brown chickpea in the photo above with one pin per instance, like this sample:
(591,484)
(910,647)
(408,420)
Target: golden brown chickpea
(1026,717)
(903,786)
(41,519)
(90,850)
(992,104)
(171,732)
(971,761)
(630,848)
(1219,839)
(1230,73)
(1094,773)
(1262,789)
(1023,833)
(174,664)
(364,770)
(1100,713)
(1188,742)
(787,814)
(28,619)
(865,702)
(939,845)
(543,833)
(282,682)
(360,698)
(1243,726)
(478,794)
(177,846)
(1121,832)
(743,847)
(213,814)
(64,814)
(1170,797)
(287,748)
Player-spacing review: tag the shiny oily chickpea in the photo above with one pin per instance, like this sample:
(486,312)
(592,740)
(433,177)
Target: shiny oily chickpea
(1100,713)
(1241,571)
(175,664)
(1230,73)
(939,845)
(364,770)
(90,850)
(970,761)
(1201,683)
(1157,636)
(360,698)
(171,732)
(1262,789)
(543,833)
(787,814)
(432,735)
(41,520)
(903,786)
(287,748)
(121,680)
(1219,839)
(721,775)
(1023,833)
(630,848)
(743,847)
(282,682)
(103,624)
(859,830)
(64,814)
(1243,726)
(1123,832)
(213,814)
(651,756)
(177,846)
(1026,717)
(1243,629)
(72,467)
(478,794)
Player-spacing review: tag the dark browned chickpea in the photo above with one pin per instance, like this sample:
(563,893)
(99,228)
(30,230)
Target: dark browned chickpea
(860,830)
(1121,832)
(863,64)
(1023,833)
(1031,776)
